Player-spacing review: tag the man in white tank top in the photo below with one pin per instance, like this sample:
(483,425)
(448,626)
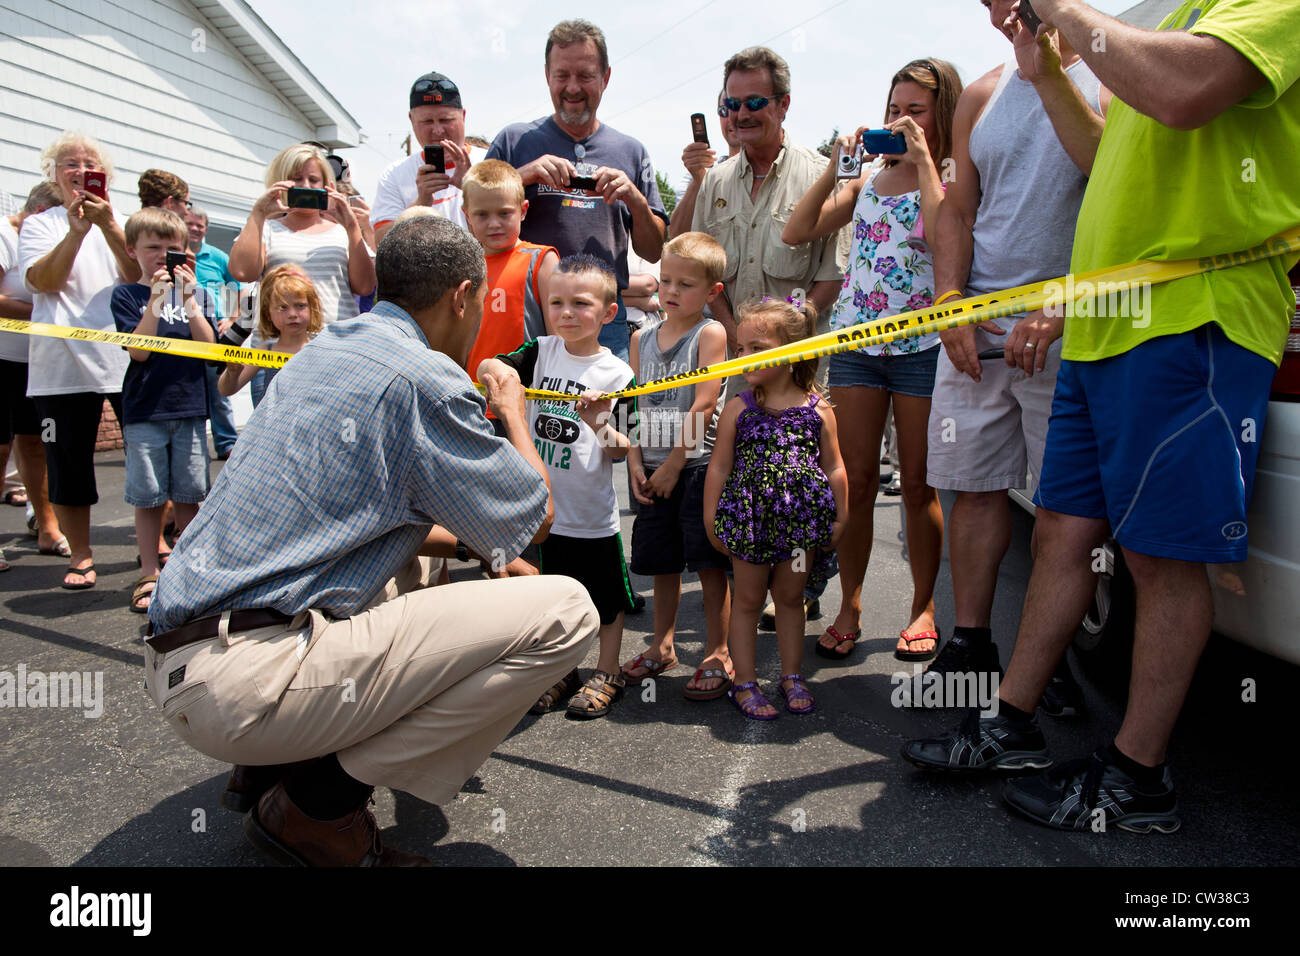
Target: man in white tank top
(1023,142)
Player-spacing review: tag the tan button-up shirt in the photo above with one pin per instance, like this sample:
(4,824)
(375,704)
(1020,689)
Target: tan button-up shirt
(758,263)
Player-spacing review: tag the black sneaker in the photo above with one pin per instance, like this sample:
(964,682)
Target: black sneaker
(1094,794)
(1063,698)
(957,666)
(982,743)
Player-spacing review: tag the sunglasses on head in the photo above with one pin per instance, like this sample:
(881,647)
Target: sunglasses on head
(424,86)
(754,103)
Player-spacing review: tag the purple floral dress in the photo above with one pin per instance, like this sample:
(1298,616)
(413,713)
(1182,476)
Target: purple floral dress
(776,498)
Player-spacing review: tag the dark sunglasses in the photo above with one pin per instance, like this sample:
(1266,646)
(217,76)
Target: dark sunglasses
(755,103)
(425,86)
(723,112)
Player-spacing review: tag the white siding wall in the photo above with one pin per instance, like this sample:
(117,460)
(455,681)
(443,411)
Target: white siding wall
(128,73)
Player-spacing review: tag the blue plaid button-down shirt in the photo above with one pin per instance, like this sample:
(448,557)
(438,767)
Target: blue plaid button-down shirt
(365,440)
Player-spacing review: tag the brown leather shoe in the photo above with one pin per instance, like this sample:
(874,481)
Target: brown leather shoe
(290,837)
(247,784)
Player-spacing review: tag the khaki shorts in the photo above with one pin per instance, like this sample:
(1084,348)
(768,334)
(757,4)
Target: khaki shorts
(988,435)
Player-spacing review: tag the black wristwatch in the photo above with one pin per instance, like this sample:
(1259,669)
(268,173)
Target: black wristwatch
(462,552)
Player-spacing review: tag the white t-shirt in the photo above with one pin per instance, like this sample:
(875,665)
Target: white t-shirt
(323,256)
(64,366)
(581,474)
(397,192)
(13,348)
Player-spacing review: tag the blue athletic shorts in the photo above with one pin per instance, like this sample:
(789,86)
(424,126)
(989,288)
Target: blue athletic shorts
(1161,441)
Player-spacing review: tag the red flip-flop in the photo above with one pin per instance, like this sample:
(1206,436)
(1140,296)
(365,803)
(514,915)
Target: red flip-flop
(833,653)
(910,655)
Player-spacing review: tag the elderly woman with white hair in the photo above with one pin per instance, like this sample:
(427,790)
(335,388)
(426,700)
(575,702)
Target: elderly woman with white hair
(327,244)
(71,257)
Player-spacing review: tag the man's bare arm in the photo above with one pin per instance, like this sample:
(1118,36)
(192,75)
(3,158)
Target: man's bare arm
(1180,79)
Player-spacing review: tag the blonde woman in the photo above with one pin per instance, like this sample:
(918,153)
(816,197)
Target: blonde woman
(328,245)
(71,257)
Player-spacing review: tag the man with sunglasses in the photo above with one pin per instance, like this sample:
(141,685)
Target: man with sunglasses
(745,202)
(622,206)
(437,118)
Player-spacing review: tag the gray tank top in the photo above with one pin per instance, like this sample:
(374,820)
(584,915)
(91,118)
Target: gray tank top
(660,414)
(1024,229)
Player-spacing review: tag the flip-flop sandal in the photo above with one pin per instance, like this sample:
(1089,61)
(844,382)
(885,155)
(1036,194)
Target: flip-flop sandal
(558,693)
(719,691)
(652,668)
(149,581)
(750,705)
(59,548)
(596,697)
(84,585)
(798,692)
(162,559)
(833,653)
(911,655)
(16,498)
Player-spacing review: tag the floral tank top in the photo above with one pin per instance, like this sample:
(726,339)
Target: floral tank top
(888,272)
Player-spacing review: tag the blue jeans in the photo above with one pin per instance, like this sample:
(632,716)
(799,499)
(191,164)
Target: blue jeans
(615,335)
(220,415)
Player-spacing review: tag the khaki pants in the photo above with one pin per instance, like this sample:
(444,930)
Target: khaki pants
(412,694)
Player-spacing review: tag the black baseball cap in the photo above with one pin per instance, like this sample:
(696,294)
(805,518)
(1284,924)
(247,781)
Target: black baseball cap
(434,89)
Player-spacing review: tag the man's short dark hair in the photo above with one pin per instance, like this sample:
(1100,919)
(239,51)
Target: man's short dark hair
(570,32)
(760,58)
(418,261)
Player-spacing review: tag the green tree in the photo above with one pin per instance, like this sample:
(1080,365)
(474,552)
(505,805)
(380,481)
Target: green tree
(827,148)
(666,192)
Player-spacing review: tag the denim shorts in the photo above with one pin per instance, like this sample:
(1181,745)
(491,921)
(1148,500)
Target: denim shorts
(907,373)
(166,460)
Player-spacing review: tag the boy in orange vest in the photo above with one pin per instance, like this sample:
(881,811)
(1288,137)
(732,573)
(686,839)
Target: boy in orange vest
(518,273)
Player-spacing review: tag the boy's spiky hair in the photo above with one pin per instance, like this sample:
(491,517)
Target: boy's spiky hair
(584,264)
(159,222)
(701,248)
(493,174)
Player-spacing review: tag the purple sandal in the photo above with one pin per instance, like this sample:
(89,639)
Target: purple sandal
(798,692)
(750,705)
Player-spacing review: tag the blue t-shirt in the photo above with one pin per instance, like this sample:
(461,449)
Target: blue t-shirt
(163,386)
(212,269)
(571,220)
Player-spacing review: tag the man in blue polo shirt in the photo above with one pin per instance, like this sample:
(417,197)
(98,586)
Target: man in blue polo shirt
(212,269)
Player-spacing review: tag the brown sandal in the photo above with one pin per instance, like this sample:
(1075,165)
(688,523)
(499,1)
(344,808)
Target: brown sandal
(143,592)
(557,694)
(597,696)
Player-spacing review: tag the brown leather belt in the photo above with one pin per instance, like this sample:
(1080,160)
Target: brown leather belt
(210,626)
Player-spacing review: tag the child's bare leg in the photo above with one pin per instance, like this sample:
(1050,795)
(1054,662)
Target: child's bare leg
(787,595)
(749,590)
(668,596)
(148,526)
(717,615)
(183,514)
(611,642)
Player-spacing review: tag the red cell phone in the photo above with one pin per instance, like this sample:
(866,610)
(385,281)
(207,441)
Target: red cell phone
(96,183)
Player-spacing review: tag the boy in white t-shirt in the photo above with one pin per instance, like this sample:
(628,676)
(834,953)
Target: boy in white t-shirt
(579,443)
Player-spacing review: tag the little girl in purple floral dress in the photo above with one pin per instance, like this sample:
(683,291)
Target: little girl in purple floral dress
(776,494)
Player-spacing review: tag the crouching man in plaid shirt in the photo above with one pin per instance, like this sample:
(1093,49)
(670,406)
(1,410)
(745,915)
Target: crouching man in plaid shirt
(286,636)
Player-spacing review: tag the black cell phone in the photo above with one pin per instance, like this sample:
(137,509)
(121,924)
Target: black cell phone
(301,198)
(1029,18)
(435,156)
(174,259)
(582,182)
(698,129)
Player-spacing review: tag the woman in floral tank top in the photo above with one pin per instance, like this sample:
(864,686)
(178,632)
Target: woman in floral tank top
(890,271)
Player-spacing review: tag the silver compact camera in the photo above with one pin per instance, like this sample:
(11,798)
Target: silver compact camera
(849,165)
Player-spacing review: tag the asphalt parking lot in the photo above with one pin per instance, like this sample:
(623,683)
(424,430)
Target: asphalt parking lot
(659,782)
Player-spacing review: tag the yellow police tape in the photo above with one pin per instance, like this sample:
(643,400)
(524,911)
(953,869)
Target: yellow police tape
(952,314)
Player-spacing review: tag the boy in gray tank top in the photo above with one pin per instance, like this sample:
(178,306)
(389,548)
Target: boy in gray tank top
(671,444)
(1024,138)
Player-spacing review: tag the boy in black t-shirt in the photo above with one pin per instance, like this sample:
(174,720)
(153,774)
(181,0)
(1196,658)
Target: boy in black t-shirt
(164,397)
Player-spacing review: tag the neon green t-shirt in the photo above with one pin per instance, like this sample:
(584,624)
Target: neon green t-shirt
(1166,194)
